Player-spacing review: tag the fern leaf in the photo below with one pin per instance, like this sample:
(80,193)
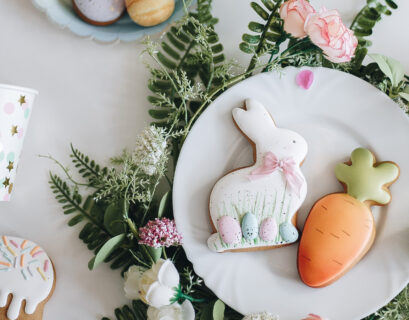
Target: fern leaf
(268,34)
(86,167)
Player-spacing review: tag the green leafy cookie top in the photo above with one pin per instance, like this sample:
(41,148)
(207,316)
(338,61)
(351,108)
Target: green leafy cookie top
(364,179)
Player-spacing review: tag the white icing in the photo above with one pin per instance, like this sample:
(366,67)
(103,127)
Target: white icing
(268,196)
(23,282)
(101,10)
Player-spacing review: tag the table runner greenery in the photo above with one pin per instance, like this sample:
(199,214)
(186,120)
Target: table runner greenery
(188,70)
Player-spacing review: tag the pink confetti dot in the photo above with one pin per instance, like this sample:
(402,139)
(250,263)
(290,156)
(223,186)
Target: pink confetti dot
(20,133)
(24,106)
(304,79)
(6,197)
(9,108)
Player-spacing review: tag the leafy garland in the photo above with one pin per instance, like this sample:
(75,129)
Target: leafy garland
(188,70)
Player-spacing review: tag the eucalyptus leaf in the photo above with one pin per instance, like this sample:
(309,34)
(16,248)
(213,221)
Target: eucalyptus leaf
(114,219)
(218,310)
(106,250)
(392,68)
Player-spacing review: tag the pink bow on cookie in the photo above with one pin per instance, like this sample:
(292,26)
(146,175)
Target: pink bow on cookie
(287,165)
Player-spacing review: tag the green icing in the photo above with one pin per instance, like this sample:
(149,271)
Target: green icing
(365,181)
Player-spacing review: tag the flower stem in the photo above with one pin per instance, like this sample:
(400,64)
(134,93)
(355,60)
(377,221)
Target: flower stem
(164,253)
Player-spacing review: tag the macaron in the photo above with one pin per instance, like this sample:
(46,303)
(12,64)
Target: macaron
(149,13)
(99,12)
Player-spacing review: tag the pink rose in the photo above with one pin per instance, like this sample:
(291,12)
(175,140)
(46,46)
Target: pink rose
(326,30)
(294,13)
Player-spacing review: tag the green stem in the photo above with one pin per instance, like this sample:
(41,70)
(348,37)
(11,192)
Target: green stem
(65,170)
(132,227)
(164,253)
(260,46)
(148,254)
(181,296)
(138,259)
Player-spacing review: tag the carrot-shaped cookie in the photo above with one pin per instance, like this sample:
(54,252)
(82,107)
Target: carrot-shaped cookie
(340,228)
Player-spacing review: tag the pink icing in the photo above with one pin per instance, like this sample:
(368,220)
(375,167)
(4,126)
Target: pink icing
(304,79)
(268,229)
(287,165)
(229,230)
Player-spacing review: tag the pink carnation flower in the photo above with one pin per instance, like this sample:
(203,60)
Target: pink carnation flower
(160,233)
(294,13)
(326,30)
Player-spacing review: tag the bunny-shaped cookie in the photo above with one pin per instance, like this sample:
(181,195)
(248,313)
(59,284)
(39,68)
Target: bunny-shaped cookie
(255,207)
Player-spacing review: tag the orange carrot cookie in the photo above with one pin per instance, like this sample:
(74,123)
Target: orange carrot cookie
(27,279)
(340,228)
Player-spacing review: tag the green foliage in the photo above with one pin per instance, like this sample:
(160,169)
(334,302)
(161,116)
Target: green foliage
(213,311)
(87,168)
(106,250)
(136,311)
(114,218)
(397,309)
(364,23)
(190,64)
(366,19)
(395,74)
(267,35)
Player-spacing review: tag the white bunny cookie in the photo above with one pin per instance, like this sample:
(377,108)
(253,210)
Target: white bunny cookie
(254,208)
(27,279)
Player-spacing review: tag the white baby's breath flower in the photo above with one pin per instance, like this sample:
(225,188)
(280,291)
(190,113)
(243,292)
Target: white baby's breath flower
(175,311)
(150,151)
(261,316)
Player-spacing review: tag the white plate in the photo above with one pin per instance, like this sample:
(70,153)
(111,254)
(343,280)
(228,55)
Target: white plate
(339,113)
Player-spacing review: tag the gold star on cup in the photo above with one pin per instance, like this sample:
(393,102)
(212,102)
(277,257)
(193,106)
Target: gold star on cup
(14,130)
(10,166)
(22,100)
(6,182)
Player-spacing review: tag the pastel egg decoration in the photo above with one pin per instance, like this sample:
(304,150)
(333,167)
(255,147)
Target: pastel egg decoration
(99,12)
(268,229)
(249,226)
(229,230)
(148,13)
(288,232)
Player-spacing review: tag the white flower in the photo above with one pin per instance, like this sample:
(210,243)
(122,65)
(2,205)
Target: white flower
(175,311)
(156,286)
(150,151)
(261,316)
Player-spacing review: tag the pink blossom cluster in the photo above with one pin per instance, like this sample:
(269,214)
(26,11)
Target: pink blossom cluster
(160,233)
(325,29)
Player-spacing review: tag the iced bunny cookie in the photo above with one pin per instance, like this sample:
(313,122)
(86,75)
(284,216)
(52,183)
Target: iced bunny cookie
(254,208)
(340,227)
(27,279)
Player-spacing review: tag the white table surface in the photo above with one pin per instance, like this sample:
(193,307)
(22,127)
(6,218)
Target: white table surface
(94,95)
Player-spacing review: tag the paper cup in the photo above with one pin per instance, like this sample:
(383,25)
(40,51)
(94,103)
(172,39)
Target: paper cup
(15,109)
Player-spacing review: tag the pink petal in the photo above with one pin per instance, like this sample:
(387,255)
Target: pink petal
(304,79)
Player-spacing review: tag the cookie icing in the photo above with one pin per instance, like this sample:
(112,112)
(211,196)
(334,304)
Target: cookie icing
(365,181)
(26,272)
(269,198)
